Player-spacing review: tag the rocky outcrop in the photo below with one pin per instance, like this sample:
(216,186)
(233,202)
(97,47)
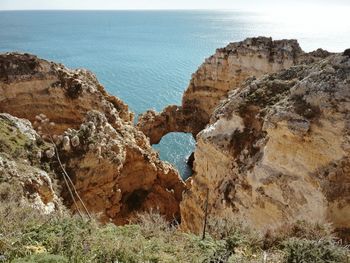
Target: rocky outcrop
(112,165)
(171,119)
(117,173)
(277,150)
(20,164)
(30,86)
(226,70)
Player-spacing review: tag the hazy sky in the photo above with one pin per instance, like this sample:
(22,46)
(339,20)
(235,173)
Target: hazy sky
(253,5)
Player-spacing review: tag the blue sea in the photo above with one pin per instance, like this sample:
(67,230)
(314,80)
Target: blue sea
(146,58)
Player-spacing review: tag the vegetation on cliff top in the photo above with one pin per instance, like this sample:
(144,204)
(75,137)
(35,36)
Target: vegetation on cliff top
(28,236)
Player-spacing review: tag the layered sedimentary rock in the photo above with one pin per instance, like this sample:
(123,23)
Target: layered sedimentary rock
(111,163)
(20,164)
(277,150)
(30,86)
(226,70)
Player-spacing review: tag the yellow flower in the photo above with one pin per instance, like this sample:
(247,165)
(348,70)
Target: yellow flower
(36,249)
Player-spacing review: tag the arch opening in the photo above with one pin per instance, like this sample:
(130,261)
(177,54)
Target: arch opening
(176,148)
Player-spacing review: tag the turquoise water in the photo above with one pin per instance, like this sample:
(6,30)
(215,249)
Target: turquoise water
(147,57)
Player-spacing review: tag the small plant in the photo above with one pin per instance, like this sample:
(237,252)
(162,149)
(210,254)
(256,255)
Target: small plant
(299,229)
(316,251)
(153,224)
(42,258)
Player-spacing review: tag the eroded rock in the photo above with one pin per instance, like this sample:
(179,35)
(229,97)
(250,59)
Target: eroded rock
(20,164)
(111,163)
(277,151)
(225,71)
(118,174)
(30,86)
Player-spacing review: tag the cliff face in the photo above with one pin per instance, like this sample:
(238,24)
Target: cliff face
(226,70)
(111,163)
(20,164)
(30,86)
(117,173)
(277,150)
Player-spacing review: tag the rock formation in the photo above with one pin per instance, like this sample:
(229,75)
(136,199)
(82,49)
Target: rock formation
(226,70)
(277,149)
(20,164)
(117,173)
(271,148)
(30,86)
(111,163)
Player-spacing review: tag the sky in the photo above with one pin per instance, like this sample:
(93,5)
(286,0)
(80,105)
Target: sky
(249,5)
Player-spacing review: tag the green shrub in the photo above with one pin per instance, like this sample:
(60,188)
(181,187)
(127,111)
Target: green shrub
(68,238)
(321,251)
(42,258)
(299,229)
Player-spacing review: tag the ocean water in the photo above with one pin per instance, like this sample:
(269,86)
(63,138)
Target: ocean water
(147,57)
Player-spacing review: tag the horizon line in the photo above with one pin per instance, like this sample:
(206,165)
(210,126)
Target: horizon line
(153,9)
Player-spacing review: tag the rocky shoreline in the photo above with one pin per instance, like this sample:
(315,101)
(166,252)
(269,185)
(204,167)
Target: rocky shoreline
(271,124)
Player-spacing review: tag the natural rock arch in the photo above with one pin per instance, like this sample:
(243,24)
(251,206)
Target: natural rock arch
(225,71)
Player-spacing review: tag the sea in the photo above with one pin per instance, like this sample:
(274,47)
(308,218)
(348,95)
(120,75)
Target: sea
(146,58)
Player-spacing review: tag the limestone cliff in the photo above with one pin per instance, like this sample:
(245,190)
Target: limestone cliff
(117,173)
(30,86)
(277,150)
(226,70)
(20,164)
(111,163)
